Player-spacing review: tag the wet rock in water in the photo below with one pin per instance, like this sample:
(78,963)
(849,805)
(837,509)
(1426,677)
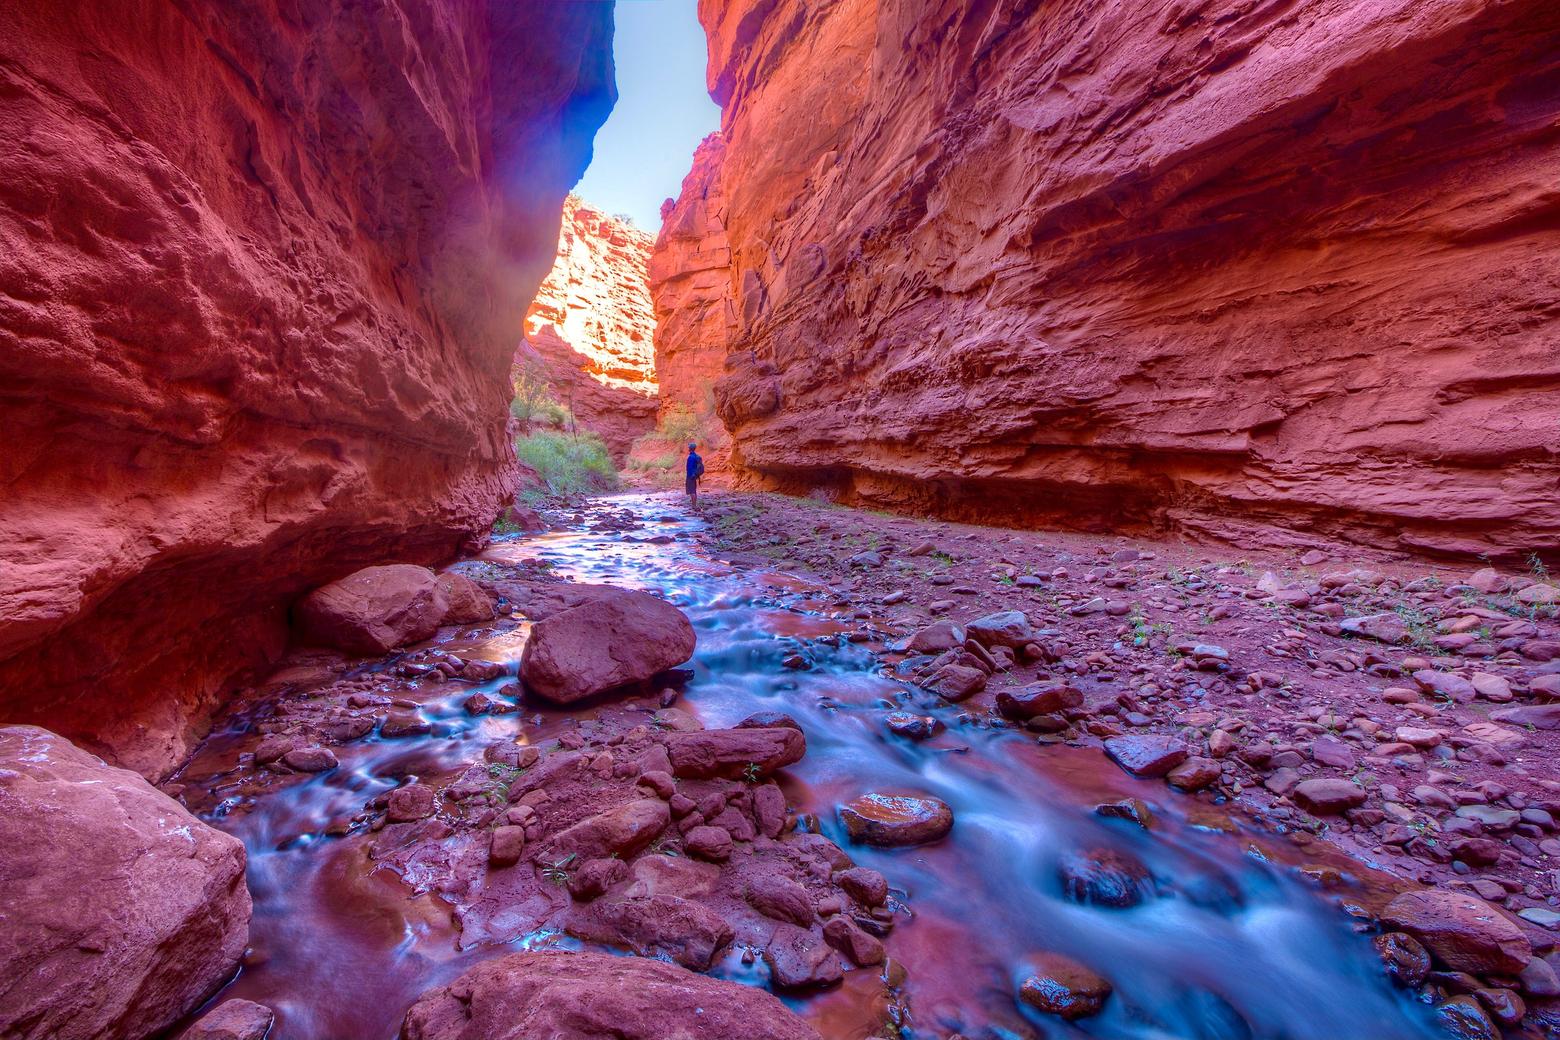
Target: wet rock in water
(1133,809)
(310,759)
(895,820)
(404,724)
(121,910)
(412,802)
(667,926)
(1105,877)
(586,996)
(1463,1018)
(1328,797)
(799,959)
(615,638)
(1009,628)
(1147,756)
(1058,985)
(859,948)
(1044,698)
(373,610)
(232,1020)
(1461,931)
(915,727)
(936,637)
(1407,961)
(768,720)
(621,831)
(781,898)
(467,603)
(734,753)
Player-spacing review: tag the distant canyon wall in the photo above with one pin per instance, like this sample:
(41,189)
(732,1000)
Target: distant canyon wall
(690,272)
(1273,271)
(262,269)
(592,329)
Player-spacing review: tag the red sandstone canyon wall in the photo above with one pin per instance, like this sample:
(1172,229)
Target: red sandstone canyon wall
(1285,270)
(690,274)
(591,325)
(262,267)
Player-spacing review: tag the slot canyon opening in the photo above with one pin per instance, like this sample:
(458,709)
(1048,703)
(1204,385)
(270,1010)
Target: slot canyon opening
(1118,601)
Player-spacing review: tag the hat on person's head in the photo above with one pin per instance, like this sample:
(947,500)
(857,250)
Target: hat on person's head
(692,446)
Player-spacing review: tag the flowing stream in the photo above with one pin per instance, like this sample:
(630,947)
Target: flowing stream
(1236,943)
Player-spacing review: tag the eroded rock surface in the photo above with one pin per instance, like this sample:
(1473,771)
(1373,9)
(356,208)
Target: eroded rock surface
(262,268)
(122,912)
(592,327)
(1202,268)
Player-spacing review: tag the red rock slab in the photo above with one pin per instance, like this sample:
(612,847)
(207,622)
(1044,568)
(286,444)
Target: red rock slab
(586,996)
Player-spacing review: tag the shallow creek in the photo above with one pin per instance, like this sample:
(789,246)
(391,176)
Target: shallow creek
(1237,943)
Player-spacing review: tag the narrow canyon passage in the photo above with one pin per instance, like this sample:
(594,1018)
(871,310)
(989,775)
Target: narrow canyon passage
(1229,939)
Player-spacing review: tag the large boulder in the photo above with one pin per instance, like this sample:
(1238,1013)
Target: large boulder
(374,610)
(615,638)
(585,996)
(467,603)
(119,911)
(1463,932)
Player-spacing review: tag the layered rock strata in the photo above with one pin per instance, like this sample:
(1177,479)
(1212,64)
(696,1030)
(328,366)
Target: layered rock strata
(1217,268)
(695,318)
(592,328)
(262,266)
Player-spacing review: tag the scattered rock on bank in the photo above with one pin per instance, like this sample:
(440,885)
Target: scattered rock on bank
(615,638)
(585,996)
(121,909)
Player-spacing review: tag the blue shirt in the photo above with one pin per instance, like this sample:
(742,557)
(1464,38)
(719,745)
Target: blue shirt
(695,464)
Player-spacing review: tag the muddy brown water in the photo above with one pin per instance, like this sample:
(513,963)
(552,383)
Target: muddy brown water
(1236,943)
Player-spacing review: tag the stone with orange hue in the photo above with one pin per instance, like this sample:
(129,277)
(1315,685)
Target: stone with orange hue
(262,267)
(592,327)
(689,275)
(1189,266)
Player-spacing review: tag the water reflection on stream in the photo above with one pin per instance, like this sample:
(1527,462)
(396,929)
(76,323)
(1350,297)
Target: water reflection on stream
(1233,946)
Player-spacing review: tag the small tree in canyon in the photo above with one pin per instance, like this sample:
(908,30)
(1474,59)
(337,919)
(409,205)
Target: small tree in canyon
(534,400)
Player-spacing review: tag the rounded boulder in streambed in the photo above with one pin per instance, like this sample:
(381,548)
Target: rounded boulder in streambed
(614,639)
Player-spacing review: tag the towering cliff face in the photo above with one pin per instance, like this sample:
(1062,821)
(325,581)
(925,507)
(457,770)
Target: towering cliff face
(1215,266)
(690,273)
(592,327)
(262,267)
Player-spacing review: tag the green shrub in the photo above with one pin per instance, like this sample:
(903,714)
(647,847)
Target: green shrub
(568,464)
(534,401)
(679,425)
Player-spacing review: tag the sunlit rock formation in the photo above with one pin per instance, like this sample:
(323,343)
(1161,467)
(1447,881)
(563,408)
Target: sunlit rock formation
(1253,271)
(262,268)
(592,327)
(690,282)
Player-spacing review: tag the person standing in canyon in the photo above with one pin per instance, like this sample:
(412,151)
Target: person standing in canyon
(695,471)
